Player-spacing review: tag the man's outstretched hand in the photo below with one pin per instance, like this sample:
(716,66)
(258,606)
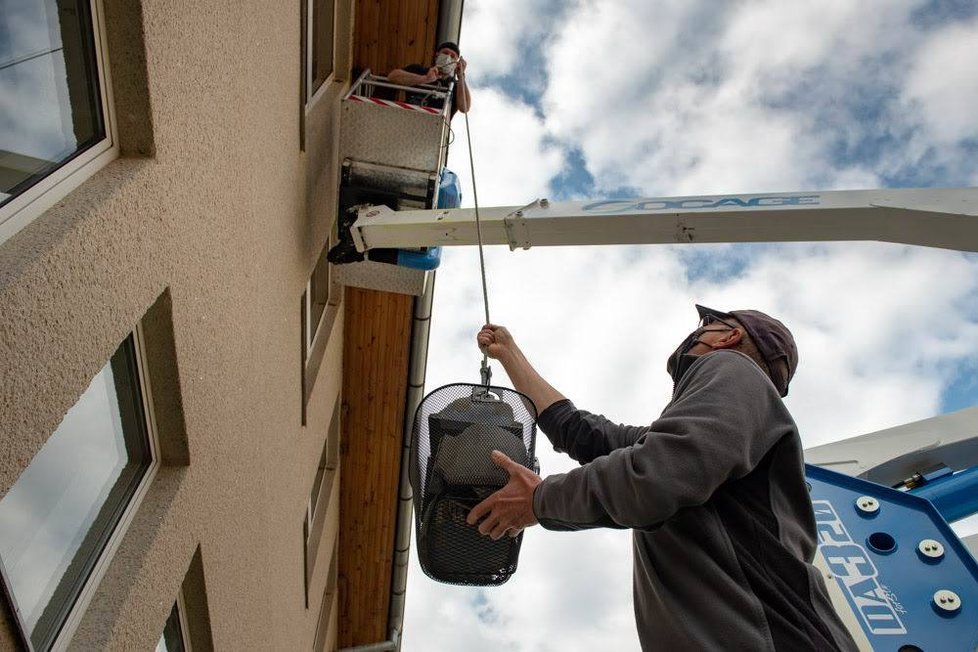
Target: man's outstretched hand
(495,341)
(510,509)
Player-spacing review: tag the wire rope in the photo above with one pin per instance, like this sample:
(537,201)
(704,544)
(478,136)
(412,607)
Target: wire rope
(486,373)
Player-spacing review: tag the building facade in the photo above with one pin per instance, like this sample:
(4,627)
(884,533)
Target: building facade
(176,408)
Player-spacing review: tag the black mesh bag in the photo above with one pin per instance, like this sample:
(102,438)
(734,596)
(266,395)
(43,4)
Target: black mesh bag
(456,428)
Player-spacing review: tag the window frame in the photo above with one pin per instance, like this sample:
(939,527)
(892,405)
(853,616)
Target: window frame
(26,207)
(82,601)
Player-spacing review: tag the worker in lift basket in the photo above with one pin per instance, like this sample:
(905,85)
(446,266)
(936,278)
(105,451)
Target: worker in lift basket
(448,63)
(713,490)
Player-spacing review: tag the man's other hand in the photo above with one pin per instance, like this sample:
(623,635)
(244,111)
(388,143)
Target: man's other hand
(460,67)
(510,509)
(432,76)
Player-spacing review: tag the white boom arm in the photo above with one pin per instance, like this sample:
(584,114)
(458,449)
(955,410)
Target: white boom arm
(944,218)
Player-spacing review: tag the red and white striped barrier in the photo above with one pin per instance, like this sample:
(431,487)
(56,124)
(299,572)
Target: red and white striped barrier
(400,105)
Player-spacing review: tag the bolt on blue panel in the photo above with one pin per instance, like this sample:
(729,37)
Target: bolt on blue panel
(905,575)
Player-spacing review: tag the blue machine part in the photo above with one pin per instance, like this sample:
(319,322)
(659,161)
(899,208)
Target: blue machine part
(449,196)
(449,190)
(429,258)
(905,575)
(955,496)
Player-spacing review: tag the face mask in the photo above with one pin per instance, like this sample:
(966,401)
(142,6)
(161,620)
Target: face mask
(445,64)
(680,360)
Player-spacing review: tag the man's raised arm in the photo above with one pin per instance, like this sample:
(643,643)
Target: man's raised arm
(498,343)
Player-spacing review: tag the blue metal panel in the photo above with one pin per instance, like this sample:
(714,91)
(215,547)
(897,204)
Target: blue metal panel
(954,496)
(888,583)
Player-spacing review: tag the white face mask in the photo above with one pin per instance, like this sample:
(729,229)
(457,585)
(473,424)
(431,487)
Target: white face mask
(445,64)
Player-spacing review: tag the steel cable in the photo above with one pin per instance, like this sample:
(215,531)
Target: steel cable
(486,373)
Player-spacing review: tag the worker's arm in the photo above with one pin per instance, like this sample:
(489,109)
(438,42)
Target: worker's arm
(726,416)
(463,99)
(404,77)
(498,343)
(585,436)
(580,434)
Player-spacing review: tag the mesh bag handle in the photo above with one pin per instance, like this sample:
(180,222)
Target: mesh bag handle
(456,427)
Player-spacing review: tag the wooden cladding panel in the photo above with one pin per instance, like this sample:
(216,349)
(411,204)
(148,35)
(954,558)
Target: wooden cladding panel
(376,349)
(387,34)
(394,33)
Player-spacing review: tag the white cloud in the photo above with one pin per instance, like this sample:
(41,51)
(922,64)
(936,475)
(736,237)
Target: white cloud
(944,85)
(514,162)
(496,31)
(689,99)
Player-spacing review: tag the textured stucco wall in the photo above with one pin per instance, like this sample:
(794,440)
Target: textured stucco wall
(209,238)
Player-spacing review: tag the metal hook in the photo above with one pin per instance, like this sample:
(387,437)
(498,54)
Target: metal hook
(485,372)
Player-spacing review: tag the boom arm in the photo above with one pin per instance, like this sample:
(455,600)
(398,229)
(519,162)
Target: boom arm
(944,218)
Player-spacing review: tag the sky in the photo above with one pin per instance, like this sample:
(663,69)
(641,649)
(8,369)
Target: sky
(642,98)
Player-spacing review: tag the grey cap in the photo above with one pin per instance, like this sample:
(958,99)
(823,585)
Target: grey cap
(772,338)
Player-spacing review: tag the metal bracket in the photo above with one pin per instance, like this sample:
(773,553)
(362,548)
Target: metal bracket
(364,211)
(358,242)
(517,232)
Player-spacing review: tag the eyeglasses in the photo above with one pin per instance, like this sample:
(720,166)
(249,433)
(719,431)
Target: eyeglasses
(708,319)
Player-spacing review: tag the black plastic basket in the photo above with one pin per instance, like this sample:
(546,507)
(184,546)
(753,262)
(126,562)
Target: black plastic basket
(456,428)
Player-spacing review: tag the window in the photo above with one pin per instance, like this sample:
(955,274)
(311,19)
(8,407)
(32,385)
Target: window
(325,638)
(55,121)
(60,520)
(322,293)
(320,494)
(188,625)
(318,310)
(328,462)
(322,42)
(319,44)
(174,636)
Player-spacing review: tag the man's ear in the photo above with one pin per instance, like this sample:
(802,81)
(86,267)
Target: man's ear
(730,339)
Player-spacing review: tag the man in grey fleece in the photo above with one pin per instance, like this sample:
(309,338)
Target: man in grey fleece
(713,490)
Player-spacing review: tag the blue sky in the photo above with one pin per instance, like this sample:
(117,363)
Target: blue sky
(586,99)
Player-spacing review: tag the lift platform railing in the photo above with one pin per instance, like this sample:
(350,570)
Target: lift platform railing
(425,98)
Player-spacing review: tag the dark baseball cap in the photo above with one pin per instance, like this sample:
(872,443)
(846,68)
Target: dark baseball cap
(772,338)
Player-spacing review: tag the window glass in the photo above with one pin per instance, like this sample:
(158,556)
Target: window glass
(49,89)
(56,519)
(319,290)
(171,640)
(327,461)
(322,42)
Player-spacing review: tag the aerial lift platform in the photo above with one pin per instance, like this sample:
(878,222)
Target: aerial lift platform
(898,574)
(393,154)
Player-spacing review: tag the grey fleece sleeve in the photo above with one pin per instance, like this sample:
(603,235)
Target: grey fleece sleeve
(582,435)
(717,428)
